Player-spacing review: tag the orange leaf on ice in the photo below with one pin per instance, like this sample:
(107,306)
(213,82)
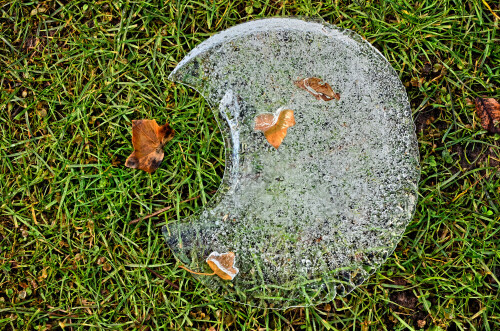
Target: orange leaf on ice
(275,127)
(223,265)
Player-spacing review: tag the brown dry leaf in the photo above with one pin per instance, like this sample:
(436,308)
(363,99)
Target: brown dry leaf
(319,89)
(106,267)
(223,265)
(22,295)
(24,231)
(43,275)
(38,10)
(488,110)
(198,314)
(421,323)
(275,127)
(148,139)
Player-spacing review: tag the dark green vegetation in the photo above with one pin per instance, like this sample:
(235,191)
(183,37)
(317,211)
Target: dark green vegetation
(72,77)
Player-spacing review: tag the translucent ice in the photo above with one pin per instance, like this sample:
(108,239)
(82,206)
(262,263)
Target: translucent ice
(315,217)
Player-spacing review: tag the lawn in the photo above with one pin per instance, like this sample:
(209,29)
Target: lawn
(74,74)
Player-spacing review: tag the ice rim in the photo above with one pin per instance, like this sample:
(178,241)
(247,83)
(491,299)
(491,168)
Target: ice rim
(225,288)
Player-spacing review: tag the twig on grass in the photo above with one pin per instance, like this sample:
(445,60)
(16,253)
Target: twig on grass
(137,220)
(162,278)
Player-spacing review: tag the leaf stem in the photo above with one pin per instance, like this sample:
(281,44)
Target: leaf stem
(197,273)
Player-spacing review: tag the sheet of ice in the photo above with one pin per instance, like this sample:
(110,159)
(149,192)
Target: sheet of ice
(315,217)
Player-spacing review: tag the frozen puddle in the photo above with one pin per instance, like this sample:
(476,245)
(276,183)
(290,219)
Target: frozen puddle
(319,214)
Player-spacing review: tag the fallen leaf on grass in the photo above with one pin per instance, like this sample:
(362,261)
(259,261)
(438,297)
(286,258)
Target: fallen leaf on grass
(275,127)
(198,315)
(106,267)
(148,139)
(488,110)
(22,295)
(43,275)
(421,323)
(221,263)
(319,89)
(38,10)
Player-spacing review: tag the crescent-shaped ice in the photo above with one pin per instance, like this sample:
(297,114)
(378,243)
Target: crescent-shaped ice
(315,217)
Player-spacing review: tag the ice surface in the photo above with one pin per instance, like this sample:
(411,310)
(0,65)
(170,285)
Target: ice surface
(315,217)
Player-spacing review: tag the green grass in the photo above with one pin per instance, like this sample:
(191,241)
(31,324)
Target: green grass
(73,76)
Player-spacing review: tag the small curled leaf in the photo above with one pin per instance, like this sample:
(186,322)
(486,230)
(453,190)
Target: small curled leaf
(223,264)
(275,127)
(488,110)
(319,89)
